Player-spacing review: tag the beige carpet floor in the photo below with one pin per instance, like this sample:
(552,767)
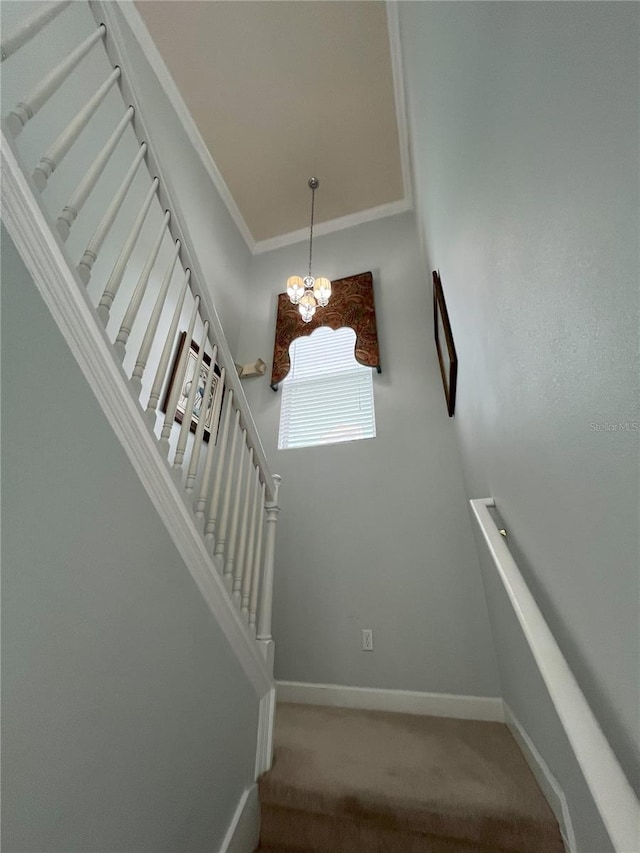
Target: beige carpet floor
(349,781)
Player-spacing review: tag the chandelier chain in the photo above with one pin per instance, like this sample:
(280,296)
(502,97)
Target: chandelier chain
(309,293)
(313,199)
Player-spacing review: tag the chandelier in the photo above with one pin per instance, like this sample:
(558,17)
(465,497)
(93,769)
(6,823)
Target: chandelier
(309,293)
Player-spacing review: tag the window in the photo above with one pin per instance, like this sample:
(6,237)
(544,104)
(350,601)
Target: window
(327,397)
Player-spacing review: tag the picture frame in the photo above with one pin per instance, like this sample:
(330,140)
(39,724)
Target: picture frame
(216,388)
(445,345)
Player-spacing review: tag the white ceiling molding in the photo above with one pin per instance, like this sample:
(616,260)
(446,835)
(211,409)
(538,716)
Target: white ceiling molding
(395,48)
(393,208)
(331,225)
(159,67)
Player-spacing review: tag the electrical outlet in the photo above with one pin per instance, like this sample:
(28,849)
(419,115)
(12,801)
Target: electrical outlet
(367,640)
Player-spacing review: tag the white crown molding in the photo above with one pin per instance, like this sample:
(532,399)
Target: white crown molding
(393,208)
(65,296)
(243,833)
(544,777)
(612,794)
(159,67)
(485,708)
(395,47)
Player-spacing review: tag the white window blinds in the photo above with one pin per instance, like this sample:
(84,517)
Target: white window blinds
(327,397)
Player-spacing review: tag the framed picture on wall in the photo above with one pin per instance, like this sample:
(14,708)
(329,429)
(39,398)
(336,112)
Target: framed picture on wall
(200,409)
(444,344)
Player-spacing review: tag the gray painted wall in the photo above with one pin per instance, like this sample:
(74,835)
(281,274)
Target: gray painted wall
(527,696)
(375,533)
(127,721)
(524,121)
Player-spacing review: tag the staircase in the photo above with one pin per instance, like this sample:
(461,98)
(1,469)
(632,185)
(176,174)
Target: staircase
(351,781)
(86,203)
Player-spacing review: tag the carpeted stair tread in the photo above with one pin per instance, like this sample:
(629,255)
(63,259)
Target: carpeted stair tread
(281,850)
(352,780)
(278,850)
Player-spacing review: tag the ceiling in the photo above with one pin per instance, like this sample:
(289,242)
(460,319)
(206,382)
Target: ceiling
(280,91)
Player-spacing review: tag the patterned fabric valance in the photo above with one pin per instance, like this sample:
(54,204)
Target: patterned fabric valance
(351,304)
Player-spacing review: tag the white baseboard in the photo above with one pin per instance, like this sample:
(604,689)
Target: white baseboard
(244,830)
(402,701)
(544,777)
(264,747)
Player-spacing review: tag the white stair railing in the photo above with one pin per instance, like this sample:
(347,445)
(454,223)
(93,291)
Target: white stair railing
(82,192)
(61,147)
(614,797)
(29,27)
(90,255)
(25,110)
(226,480)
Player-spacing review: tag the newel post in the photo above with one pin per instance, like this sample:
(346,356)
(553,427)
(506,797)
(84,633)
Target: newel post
(266,588)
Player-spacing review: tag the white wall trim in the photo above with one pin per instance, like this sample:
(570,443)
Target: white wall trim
(64,294)
(611,791)
(243,833)
(266,720)
(544,777)
(159,67)
(401,701)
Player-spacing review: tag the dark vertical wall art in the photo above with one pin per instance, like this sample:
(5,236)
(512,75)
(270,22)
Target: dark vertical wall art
(444,344)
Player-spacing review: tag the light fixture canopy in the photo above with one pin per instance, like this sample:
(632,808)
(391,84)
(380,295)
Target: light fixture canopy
(309,293)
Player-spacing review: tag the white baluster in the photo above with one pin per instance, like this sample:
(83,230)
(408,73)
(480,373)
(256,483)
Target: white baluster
(115,279)
(131,313)
(178,380)
(28,28)
(212,450)
(243,535)
(152,326)
(91,252)
(35,100)
(235,477)
(255,577)
(198,438)
(266,590)
(226,500)
(210,526)
(81,194)
(54,156)
(247,572)
(191,398)
(156,388)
